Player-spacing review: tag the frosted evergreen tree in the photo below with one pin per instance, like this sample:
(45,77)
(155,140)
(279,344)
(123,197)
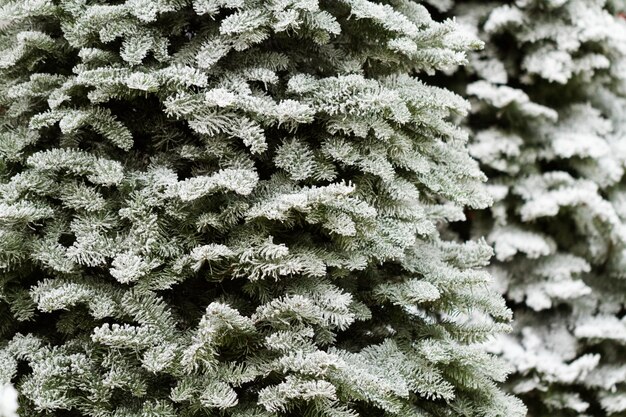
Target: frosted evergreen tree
(233,207)
(549,128)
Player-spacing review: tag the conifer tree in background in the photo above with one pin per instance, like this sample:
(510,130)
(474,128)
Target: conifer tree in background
(549,128)
(233,207)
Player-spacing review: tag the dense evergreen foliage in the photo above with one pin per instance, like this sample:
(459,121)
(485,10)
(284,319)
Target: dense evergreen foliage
(233,207)
(549,128)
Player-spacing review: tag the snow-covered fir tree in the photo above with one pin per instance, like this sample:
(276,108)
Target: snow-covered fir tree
(233,207)
(549,128)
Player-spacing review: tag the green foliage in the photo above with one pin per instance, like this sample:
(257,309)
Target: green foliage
(233,207)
